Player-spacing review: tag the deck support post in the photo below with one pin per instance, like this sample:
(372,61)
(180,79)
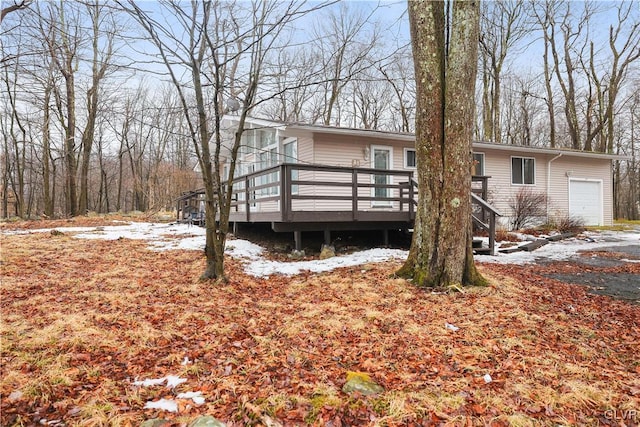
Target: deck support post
(385,237)
(297,239)
(327,237)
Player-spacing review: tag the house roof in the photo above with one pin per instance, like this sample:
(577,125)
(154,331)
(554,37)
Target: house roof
(547,150)
(410,137)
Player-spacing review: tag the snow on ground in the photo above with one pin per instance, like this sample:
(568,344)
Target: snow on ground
(565,249)
(263,267)
(169,405)
(189,237)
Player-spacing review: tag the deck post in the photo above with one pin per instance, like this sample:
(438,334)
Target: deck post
(385,237)
(246,198)
(285,192)
(492,232)
(411,196)
(327,237)
(297,239)
(354,194)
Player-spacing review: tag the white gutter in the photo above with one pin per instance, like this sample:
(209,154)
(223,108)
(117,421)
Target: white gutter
(549,181)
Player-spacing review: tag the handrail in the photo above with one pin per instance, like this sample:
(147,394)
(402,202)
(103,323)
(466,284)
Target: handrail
(485,205)
(491,227)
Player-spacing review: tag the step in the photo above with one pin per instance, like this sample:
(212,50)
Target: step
(482,251)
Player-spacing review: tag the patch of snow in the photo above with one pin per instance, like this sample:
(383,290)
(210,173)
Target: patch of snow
(48,230)
(174,381)
(263,268)
(171,380)
(565,249)
(163,404)
(196,396)
(451,327)
(239,248)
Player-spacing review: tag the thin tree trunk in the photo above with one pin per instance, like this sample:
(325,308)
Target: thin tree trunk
(46,155)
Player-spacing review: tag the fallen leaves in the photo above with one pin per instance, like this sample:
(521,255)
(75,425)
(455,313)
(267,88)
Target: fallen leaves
(82,320)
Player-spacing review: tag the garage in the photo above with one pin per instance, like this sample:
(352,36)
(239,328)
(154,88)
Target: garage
(585,200)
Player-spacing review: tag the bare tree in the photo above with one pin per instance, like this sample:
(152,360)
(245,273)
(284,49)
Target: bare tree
(503,24)
(60,29)
(402,85)
(624,43)
(14,129)
(17,5)
(344,47)
(223,55)
(445,54)
(102,50)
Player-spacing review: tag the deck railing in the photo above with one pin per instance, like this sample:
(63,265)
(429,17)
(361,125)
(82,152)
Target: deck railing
(311,193)
(299,193)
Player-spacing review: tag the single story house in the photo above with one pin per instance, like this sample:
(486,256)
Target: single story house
(576,183)
(301,177)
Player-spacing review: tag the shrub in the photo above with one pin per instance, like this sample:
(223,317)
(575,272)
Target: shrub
(569,224)
(528,206)
(505,236)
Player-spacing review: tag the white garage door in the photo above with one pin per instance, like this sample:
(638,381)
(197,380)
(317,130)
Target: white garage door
(585,201)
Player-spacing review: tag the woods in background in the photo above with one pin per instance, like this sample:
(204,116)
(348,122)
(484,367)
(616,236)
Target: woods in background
(91,120)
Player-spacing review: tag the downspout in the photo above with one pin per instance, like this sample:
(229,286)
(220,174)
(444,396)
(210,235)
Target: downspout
(549,181)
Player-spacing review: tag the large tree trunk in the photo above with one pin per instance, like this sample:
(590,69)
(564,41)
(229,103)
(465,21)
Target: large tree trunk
(441,253)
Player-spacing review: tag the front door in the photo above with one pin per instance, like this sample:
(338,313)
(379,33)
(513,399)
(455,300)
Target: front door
(381,158)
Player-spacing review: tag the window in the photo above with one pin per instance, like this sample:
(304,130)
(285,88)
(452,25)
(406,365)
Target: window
(523,171)
(381,158)
(248,143)
(269,158)
(290,148)
(265,138)
(478,164)
(410,158)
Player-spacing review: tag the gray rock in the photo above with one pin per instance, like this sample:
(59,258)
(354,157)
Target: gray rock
(206,421)
(296,254)
(156,422)
(362,384)
(327,251)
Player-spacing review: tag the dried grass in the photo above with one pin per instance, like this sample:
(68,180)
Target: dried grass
(81,320)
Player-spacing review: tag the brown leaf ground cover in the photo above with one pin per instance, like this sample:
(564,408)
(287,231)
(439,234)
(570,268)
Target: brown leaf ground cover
(82,320)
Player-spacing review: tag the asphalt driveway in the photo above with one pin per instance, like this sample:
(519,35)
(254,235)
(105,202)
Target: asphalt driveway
(609,270)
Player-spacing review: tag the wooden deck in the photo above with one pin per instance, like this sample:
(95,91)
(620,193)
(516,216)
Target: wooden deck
(298,198)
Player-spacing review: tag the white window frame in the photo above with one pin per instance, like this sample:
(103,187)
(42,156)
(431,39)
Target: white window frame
(484,158)
(522,158)
(265,163)
(388,148)
(406,157)
(294,174)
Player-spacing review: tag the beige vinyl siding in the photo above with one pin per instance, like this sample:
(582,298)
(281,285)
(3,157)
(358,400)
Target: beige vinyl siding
(565,168)
(347,151)
(305,149)
(502,191)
